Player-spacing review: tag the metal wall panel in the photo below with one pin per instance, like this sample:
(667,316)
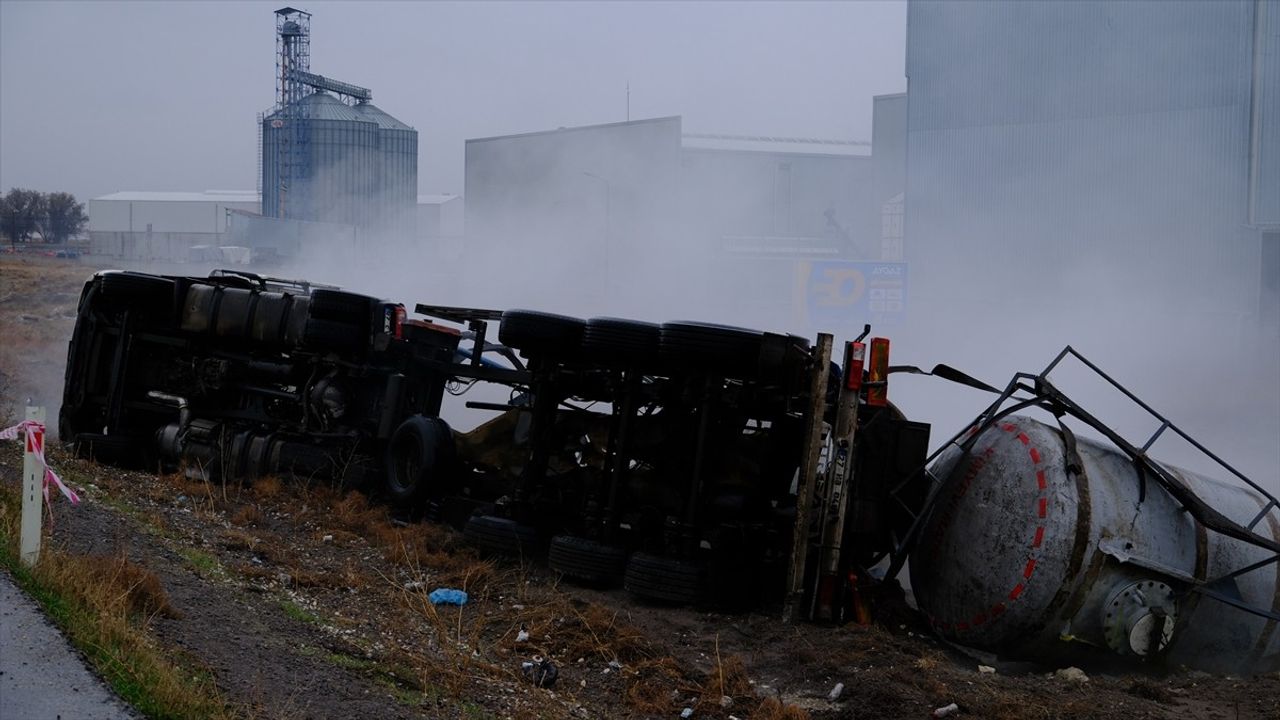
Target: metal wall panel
(1053,146)
(1267,55)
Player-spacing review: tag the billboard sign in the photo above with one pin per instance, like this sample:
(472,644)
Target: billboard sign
(839,293)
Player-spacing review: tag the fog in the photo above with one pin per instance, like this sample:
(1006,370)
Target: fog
(1000,280)
(106,96)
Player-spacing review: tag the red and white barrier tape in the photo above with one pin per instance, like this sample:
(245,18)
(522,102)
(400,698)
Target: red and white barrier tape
(35,445)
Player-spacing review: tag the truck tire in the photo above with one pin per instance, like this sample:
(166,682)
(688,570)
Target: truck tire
(501,535)
(621,343)
(416,457)
(719,349)
(539,333)
(586,560)
(653,577)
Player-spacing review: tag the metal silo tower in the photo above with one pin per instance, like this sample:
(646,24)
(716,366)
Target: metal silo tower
(328,154)
(292,152)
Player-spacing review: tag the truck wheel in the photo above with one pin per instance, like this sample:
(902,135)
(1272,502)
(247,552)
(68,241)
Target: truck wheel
(722,349)
(586,560)
(500,535)
(540,333)
(416,456)
(619,342)
(653,577)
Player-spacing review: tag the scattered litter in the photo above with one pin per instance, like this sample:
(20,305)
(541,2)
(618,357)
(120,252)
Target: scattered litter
(447,596)
(615,664)
(523,635)
(517,607)
(946,710)
(1071,674)
(413,585)
(725,701)
(686,713)
(986,670)
(540,672)
(836,692)
(582,683)
(327,538)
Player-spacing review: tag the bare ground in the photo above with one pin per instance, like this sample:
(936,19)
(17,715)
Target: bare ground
(304,602)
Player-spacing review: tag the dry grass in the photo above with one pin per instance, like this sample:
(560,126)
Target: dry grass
(773,709)
(247,515)
(104,605)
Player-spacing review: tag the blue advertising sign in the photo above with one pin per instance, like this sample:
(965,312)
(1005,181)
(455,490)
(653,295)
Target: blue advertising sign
(839,293)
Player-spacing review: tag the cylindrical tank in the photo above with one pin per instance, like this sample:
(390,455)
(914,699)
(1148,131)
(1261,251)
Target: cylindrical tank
(1049,547)
(397,182)
(326,168)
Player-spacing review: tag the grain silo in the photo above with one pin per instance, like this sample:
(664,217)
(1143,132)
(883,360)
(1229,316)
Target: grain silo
(329,154)
(397,180)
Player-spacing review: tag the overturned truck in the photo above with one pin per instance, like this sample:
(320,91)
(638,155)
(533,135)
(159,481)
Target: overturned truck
(687,461)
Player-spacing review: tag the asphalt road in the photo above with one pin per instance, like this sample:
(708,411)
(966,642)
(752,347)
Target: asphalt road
(41,676)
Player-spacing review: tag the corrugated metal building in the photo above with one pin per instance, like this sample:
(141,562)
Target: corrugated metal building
(622,204)
(162,225)
(1056,144)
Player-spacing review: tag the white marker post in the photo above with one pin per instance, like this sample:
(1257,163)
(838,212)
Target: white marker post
(32,490)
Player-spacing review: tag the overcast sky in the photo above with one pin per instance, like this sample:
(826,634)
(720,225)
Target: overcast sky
(97,97)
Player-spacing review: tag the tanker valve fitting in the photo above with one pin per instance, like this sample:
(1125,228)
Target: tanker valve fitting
(1138,616)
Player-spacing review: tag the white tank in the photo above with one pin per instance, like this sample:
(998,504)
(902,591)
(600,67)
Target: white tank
(1025,555)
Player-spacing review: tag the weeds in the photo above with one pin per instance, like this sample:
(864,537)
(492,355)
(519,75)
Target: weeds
(774,709)
(104,606)
(296,612)
(203,562)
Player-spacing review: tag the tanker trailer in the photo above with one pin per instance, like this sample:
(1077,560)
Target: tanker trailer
(1044,546)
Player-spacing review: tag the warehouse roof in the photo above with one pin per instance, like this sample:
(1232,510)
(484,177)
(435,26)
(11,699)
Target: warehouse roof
(222,196)
(775,144)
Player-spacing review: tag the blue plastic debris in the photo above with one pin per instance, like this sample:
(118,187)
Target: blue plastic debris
(447,596)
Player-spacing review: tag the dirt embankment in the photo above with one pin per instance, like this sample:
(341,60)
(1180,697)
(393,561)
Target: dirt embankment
(305,602)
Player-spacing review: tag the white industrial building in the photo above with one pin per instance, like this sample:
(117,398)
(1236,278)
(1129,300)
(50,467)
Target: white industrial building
(163,225)
(168,225)
(439,215)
